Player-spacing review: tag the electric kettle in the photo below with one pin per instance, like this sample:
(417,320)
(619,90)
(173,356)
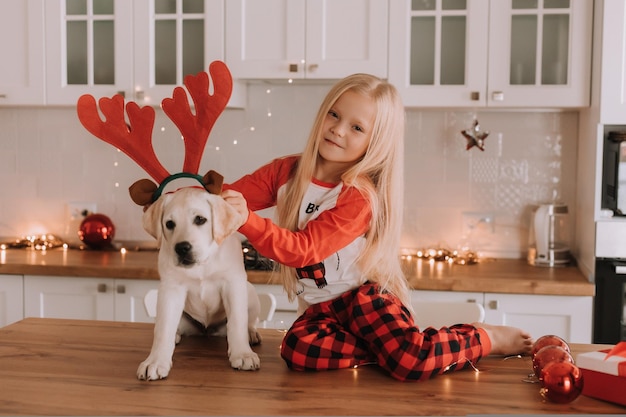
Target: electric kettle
(549,231)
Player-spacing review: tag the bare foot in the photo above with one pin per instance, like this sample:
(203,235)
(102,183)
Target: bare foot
(507,340)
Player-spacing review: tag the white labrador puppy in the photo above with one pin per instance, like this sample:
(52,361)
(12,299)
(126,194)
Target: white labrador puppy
(204,286)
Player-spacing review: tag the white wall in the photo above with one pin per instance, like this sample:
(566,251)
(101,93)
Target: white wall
(48,159)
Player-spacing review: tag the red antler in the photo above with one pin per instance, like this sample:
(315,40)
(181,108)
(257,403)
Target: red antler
(134,140)
(196,128)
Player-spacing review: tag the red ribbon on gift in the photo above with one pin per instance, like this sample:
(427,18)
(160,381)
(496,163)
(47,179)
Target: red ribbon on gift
(619,350)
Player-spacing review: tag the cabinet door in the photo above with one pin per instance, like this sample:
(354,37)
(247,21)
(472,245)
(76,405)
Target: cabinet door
(22,50)
(540,53)
(345,37)
(70,298)
(129,295)
(297,39)
(613,58)
(569,317)
(173,39)
(11,299)
(438,52)
(88,49)
(265,38)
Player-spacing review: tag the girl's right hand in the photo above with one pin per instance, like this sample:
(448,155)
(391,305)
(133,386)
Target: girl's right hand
(238,202)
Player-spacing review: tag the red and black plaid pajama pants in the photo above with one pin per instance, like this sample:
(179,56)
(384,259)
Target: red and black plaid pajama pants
(363,326)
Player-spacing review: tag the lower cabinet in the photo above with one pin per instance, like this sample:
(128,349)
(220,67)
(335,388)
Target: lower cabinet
(569,317)
(86,298)
(11,299)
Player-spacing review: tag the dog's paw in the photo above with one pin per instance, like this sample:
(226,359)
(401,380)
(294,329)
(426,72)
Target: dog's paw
(246,361)
(153,369)
(254,336)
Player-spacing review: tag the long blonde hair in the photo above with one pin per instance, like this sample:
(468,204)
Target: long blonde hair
(378,175)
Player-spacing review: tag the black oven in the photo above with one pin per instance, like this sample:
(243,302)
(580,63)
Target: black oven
(609,320)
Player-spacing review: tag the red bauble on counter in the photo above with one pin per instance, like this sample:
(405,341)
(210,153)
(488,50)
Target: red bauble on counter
(561,382)
(97,231)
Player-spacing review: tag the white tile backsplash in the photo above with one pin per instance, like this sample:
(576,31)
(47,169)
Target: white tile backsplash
(48,159)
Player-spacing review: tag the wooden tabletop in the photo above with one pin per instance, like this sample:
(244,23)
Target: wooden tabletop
(80,367)
(511,276)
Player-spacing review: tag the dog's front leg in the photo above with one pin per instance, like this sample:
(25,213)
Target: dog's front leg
(241,356)
(170,304)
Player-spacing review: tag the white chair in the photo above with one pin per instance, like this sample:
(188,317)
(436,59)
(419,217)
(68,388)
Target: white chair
(439,314)
(267,300)
(268,307)
(150,302)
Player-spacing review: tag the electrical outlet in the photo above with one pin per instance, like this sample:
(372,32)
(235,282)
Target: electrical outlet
(77,210)
(477,222)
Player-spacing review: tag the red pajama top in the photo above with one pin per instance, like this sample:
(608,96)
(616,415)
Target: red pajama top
(332,222)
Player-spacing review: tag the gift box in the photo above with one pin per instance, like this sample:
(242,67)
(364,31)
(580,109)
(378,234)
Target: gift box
(604,373)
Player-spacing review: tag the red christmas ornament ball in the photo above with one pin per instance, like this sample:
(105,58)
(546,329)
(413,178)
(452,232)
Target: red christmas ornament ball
(561,382)
(548,340)
(550,353)
(97,231)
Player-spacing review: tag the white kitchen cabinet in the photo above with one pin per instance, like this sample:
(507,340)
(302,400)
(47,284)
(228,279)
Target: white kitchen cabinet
(569,317)
(141,49)
(611,52)
(11,299)
(491,53)
(312,39)
(86,298)
(22,50)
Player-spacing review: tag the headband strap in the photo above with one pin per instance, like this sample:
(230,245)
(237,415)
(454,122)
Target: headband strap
(173,177)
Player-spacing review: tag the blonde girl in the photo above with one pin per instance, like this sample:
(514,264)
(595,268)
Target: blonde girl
(339,206)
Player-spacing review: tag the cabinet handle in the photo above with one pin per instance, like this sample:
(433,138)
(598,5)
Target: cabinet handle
(313,67)
(3,96)
(293,67)
(475,96)
(102,288)
(493,304)
(121,289)
(497,96)
(122,93)
(471,300)
(140,95)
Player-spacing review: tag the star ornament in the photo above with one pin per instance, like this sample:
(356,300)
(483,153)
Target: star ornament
(475,137)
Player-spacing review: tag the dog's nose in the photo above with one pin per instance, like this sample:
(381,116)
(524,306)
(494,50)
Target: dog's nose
(182,248)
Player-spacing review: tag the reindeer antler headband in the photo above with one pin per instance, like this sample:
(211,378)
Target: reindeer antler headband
(135,137)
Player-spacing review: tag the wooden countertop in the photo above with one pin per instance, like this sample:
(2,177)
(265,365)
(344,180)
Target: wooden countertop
(512,276)
(81,367)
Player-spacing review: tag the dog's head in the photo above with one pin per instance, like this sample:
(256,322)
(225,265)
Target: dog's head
(190,223)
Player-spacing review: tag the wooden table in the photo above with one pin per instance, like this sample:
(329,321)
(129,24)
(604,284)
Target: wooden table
(79,367)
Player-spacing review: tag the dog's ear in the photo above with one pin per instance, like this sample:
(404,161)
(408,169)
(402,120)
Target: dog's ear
(152,218)
(226,219)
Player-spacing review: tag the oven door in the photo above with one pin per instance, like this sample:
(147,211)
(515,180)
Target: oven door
(609,321)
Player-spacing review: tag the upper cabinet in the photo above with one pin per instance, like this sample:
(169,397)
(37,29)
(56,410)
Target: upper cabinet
(22,51)
(140,49)
(498,53)
(612,55)
(306,39)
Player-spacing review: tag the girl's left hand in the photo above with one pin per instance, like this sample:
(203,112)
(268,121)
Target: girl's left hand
(237,201)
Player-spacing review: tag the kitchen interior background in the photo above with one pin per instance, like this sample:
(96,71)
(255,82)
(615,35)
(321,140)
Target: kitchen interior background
(480,200)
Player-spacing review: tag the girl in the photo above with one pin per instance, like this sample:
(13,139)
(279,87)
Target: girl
(339,206)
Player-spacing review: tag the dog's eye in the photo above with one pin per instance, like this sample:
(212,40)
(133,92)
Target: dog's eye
(199,220)
(170,225)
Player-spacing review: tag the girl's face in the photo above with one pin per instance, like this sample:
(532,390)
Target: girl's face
(347,129)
